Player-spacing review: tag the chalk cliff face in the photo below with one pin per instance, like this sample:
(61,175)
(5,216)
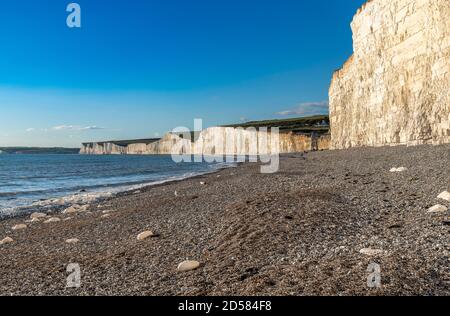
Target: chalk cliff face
(395,89)
(216,141)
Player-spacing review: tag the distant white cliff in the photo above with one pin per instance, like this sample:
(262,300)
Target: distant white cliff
(213,141)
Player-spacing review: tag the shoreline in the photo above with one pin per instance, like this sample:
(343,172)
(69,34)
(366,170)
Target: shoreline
(313,228)
(55,205)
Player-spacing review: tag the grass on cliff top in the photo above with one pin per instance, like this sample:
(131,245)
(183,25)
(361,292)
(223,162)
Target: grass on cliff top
(318,123)
(302,125)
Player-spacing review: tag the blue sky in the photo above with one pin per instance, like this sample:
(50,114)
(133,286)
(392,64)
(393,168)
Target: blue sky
(139,68)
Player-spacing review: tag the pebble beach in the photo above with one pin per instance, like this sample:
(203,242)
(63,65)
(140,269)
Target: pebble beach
(313,228)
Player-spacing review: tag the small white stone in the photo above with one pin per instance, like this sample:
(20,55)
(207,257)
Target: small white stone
(401,169)
(71,210)
(105,215)
(444,196)
(34,220)
(188,265)
(72,241)
(19,227)
(6,240)
(52,220)
(37,215)
(144,235)
(107,211)
(371,252)
(437,209)
(202,183)
(84,208)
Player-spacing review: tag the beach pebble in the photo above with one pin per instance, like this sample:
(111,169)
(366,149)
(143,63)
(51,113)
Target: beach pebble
(105,215)
(37,216)
(188,266)
(144,235)
(71,210)
(6,240)
(371,252)
(72,241)
(84,208)
(34,220)
(19,227)
(107,211)
(202,183)
(437,209)
(444,196)
(52,220)
(401,169)
(67,219)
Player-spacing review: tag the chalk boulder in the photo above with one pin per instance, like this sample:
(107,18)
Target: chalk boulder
(188,265)
(19,227)
(6,240)
(437,209)
(444,196)
(371,252)
(144,235)
(52,220)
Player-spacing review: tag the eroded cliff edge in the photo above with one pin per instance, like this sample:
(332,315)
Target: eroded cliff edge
(395,89)
(213,141)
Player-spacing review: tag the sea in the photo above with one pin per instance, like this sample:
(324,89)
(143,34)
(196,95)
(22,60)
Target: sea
(33,182)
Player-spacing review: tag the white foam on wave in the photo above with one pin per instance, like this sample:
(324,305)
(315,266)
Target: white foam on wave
(85,198)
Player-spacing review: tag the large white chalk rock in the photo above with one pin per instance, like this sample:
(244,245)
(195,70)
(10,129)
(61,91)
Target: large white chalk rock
(371,252)
(6,240)
(444,196)
(400,169)
(144,235)
(37,215)
(19,227)
(188,265)
(52,220)
(437,209)
(72,241)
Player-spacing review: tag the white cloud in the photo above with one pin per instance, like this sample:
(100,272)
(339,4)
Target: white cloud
(76,128)
(243,119)
(308,108)
(92,128)
(29,130)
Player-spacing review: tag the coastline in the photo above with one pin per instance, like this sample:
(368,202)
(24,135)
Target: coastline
(56,205)
(297,232)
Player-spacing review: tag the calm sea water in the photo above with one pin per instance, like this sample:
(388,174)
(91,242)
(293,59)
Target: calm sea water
(30,180)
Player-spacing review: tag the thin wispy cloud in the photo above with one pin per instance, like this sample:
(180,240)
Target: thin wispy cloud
(77,128)
(243,119)
(29,130)
(307,108)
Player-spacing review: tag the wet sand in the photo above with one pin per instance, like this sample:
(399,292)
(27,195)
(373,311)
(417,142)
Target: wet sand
(297,232)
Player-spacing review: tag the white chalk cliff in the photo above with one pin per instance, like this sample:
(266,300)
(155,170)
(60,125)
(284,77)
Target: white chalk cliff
(214,141)
(395,89)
